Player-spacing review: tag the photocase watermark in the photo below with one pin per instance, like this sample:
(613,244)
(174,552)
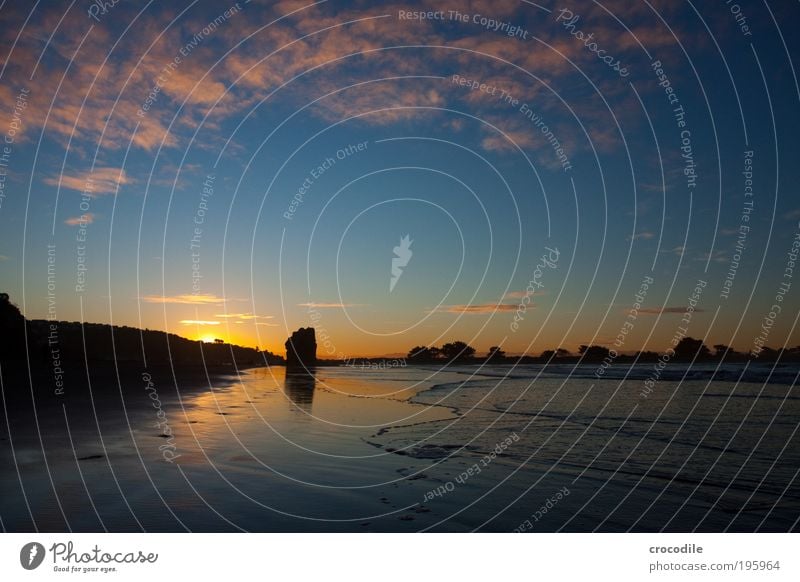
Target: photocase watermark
(679,113)
(69,560)
(568,20)
(101,8)
(526,110)
(549,260)
(53,347)
(491,24)
(168,449)
(475,469)
(680,333)
(744,227)
(551,502)
(31,555)
(81,236)
(13,128)
(366,364)
(197,233)
(739,17)
(323,337)
(402,256)
(780,294)
(317,172)
(627,327)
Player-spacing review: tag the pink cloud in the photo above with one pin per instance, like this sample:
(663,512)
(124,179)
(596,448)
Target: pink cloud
(93,183)
(328,305)
(477,308)
(83,219)
(208,299)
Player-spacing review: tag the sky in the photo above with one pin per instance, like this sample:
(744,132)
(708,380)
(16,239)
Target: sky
(529,175)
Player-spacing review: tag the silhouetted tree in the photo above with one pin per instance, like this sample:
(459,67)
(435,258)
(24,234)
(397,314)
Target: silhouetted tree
(420,353)
(495,354)
(547,354)
(12,330)
(723,352)
(562,353)
(592,353)
(457,351)
(689,348)
(768,354)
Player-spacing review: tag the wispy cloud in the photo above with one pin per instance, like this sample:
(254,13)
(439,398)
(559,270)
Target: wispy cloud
(244,316)
(477,308)
(184,299)
(87,218)
(515,295)
(100,181)
(328,305)
(717,256)
(664,310)
(644,235)
(679,251)
(521,294)
(198,322)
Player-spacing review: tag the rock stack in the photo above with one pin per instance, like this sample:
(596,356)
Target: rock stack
(301,348)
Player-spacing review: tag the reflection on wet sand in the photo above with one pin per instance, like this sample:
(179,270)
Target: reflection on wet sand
(299,386)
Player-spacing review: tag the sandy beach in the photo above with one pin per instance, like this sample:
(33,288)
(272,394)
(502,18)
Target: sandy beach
(406,449)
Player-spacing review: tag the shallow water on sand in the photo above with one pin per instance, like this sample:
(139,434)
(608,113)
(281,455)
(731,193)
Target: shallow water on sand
(406,449)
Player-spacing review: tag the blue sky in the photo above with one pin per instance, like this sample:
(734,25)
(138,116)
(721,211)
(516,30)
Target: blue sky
(259,95)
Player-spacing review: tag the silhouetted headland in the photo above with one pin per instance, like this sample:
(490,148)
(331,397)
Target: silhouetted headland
(63,359)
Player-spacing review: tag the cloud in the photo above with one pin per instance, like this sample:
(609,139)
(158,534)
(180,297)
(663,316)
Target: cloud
(645,235)
(208,299)
(508,142)
(3,258)
(98,104)
(664,310)
(198,322)
(243,316)
(94,183)
(652,187)
(521,294)
(717,257)
(477,308)
(87,218)
(515,295)
(678,251)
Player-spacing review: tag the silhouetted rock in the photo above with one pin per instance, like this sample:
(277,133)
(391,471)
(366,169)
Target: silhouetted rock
(301,348)
(12,330)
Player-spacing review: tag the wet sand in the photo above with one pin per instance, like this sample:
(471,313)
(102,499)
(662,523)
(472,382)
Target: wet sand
(390,450)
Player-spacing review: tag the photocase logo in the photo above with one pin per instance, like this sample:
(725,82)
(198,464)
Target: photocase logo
(31,555)
(402,257)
